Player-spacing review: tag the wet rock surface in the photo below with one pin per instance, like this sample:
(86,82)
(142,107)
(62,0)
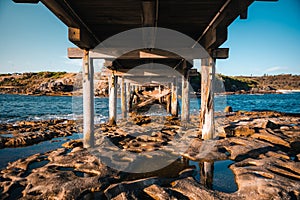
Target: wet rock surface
(263,145)
(26,133)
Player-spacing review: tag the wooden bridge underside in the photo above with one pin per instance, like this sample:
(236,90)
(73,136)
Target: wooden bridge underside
(90,22)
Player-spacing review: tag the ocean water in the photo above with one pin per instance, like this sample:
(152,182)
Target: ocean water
(19,107)
(14,108)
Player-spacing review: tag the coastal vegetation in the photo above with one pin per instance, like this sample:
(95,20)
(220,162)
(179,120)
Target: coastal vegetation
(63,83)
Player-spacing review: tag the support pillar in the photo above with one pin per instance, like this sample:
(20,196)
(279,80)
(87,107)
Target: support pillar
(159,92)
(185,99)
(207,98)
(206,174)
(113,100)
(88,100)
(123,99)
(128,94)
(174,108)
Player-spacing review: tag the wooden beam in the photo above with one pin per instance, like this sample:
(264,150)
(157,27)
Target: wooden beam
(220,53)
(127,54)
(244,14)
(216,32)
(65,13)
(148,13)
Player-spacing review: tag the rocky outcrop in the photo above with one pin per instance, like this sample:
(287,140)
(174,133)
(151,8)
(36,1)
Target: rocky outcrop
(265,162)
(26,133)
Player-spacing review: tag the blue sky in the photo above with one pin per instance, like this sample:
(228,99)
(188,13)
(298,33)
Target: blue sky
(268,42)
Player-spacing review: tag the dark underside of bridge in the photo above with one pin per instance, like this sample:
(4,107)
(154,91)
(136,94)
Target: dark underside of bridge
(205,21)
(91,22)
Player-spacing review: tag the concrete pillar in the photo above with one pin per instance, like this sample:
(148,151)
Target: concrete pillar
(123,99)
(88,100)
(174,108)
(113,100)
(207,98)
(185,99)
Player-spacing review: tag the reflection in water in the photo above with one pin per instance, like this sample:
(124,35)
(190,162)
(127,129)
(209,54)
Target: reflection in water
(215,175)
(206,174)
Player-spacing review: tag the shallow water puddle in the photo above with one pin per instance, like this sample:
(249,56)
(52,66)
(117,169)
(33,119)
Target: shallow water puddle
(218,177)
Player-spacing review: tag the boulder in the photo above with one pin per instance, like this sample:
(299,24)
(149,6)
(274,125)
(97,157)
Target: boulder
(228,109)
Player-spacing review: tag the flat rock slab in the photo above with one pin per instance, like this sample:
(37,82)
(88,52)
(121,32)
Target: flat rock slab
(264,146)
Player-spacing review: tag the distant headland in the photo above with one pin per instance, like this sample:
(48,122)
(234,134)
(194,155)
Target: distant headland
(68,84)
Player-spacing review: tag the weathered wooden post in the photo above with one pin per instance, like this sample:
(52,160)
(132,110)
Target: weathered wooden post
(113,99)
(128,94)
(88,100)
(174,109)
(185,99)
(159,92)
(206,174)
(123,99)
(207,98)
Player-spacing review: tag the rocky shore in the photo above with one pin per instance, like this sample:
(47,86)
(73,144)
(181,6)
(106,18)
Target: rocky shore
(26,133)
(67,84)
(263,146)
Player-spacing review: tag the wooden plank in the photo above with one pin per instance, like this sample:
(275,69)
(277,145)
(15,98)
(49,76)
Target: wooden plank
(220,53)
(207,98)
(88,101)
(114,53)
(74,34)
(153,98)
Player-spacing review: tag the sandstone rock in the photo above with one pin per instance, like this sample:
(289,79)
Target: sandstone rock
(273,139)
(157,192)
(184,186)
(228,109)
(266,178)
(72,144)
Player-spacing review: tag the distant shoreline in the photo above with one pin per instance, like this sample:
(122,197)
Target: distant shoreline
(70,84)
